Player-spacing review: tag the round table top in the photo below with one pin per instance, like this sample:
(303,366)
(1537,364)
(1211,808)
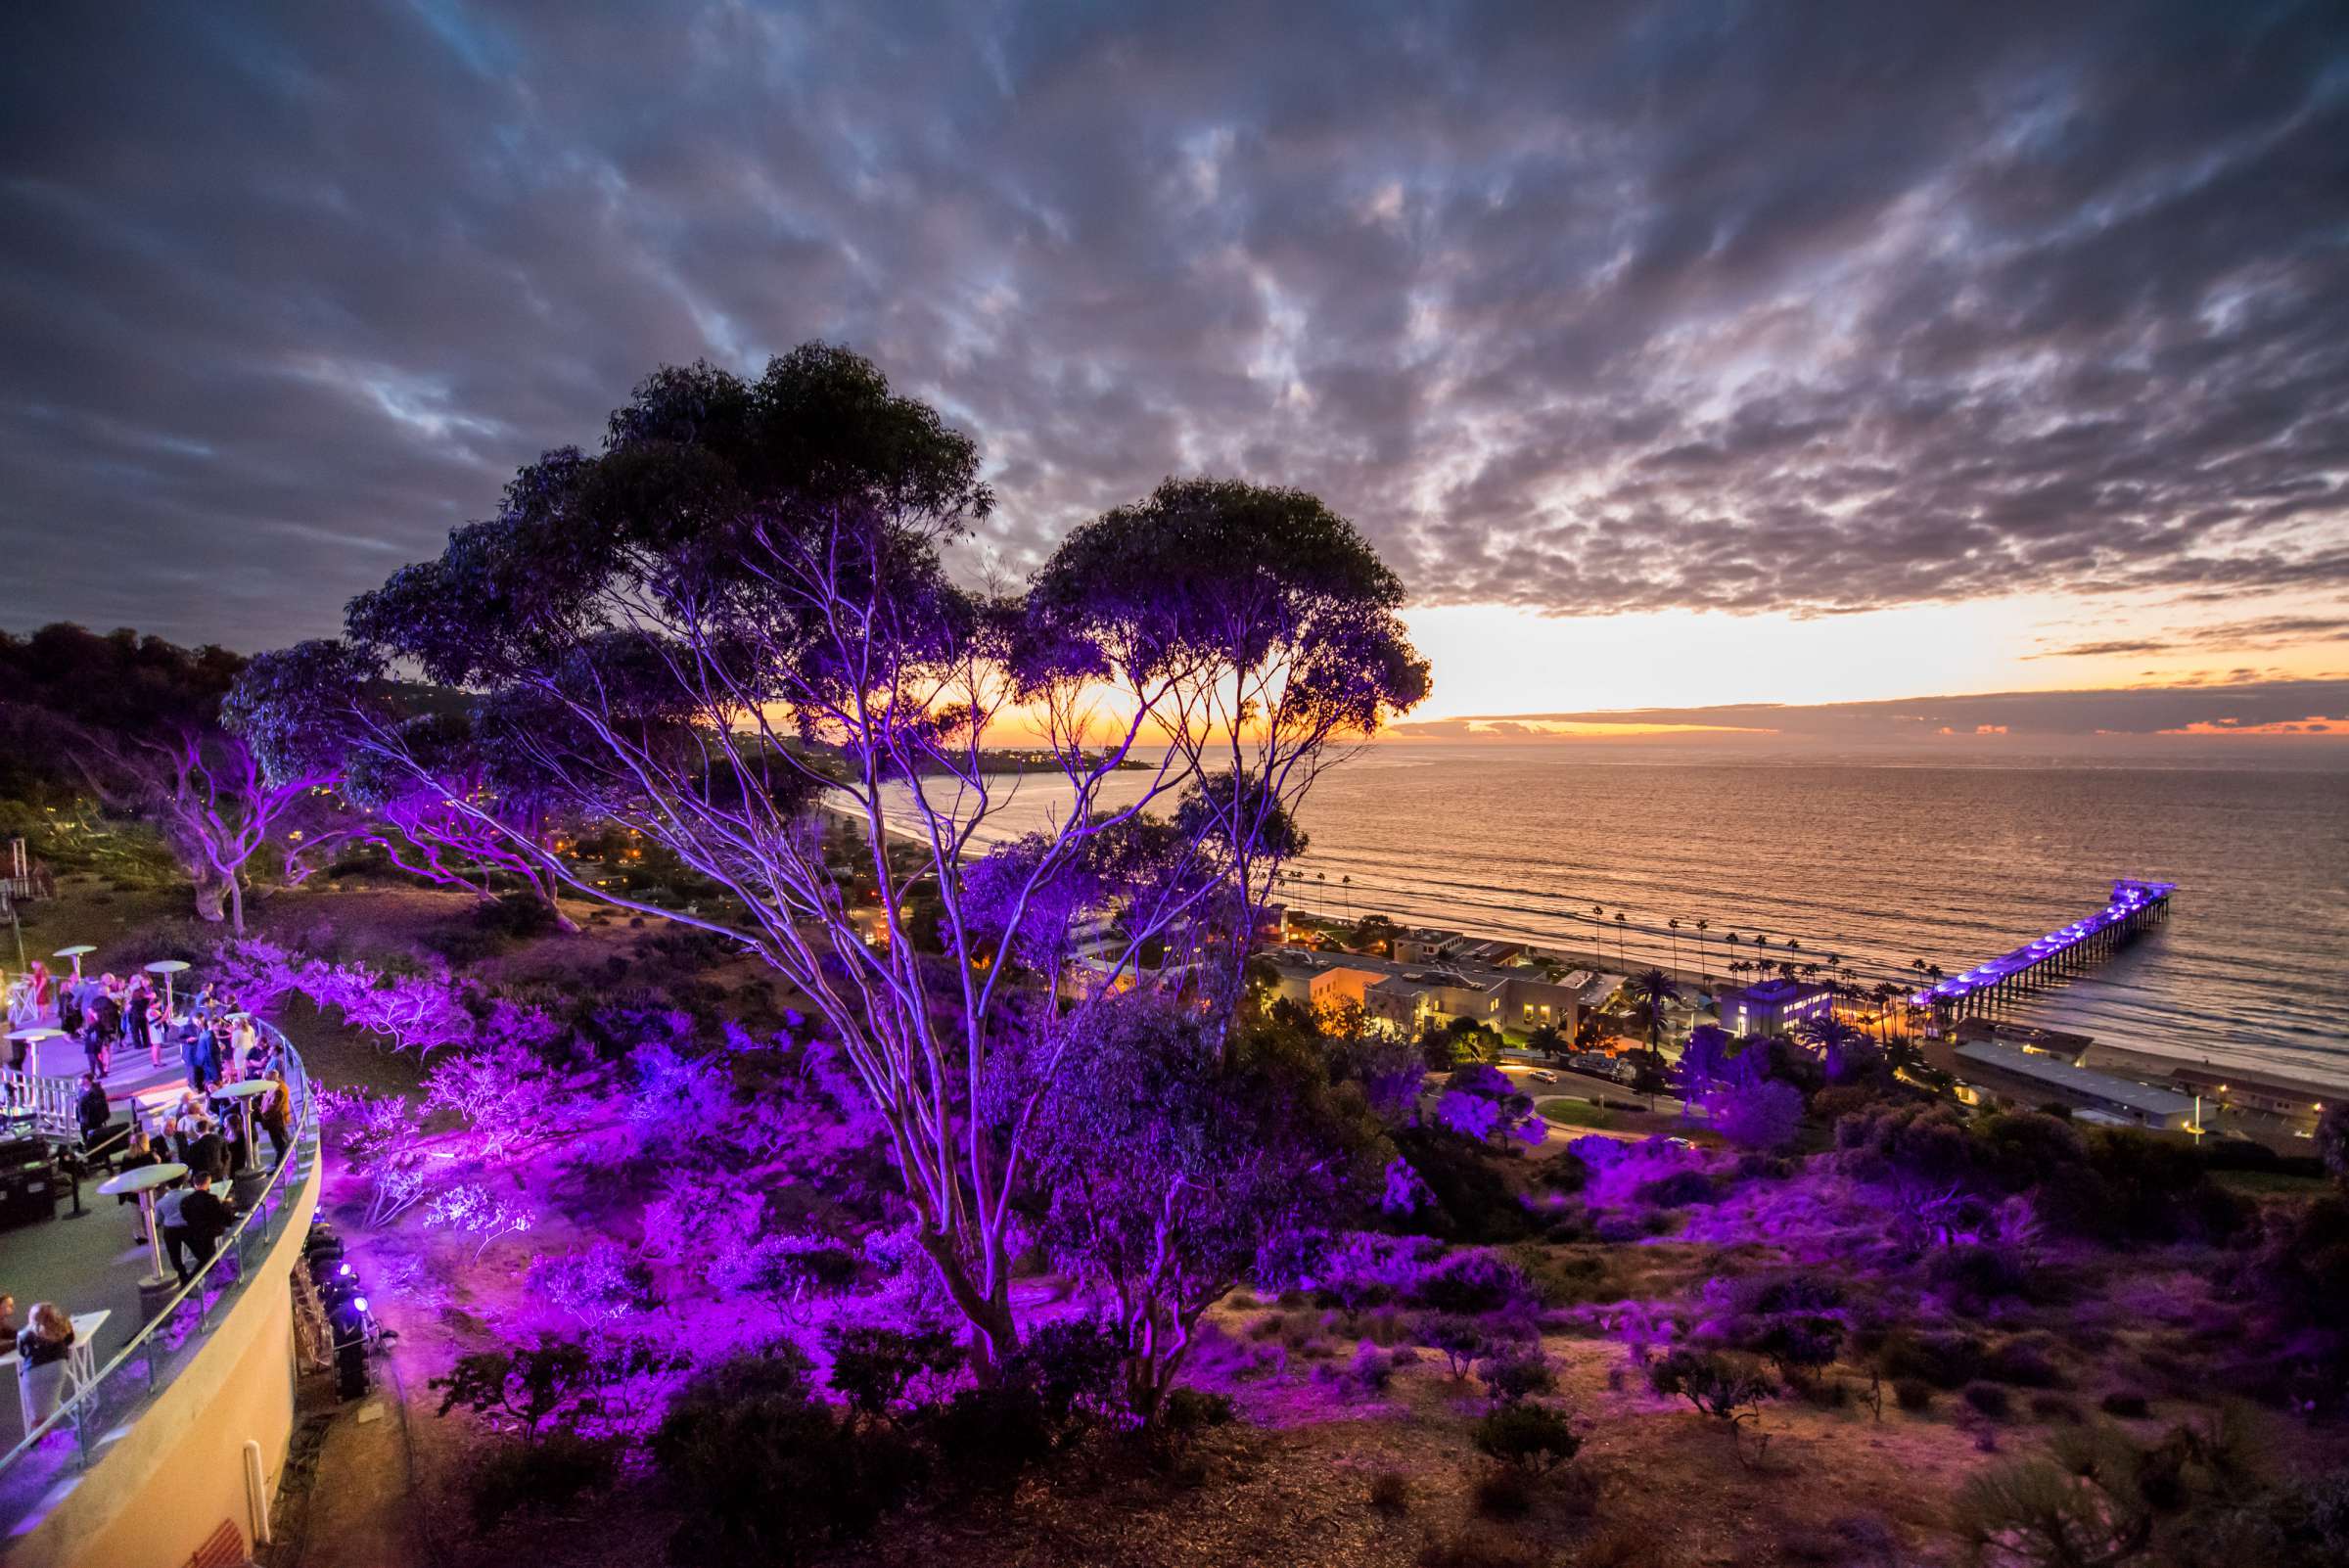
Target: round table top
(142,1178)
(75,951)
(166,966)
(245,1088)
(43,1032)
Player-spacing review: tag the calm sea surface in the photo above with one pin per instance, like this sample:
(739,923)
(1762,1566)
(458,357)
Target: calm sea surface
(1880,864)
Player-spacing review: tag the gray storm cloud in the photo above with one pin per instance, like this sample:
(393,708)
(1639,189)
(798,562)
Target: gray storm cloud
(1581,308)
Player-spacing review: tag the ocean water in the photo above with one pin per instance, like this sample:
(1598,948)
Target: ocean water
(1879,864)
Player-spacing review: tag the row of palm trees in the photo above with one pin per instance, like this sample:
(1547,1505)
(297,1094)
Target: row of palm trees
(1788,965)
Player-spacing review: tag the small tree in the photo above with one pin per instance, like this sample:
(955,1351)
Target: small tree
(1718,1386)
(1532,1438)
(1752,1110)
(527,1388)
(137,722)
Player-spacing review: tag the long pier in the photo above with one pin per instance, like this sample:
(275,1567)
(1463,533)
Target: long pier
(2136,907)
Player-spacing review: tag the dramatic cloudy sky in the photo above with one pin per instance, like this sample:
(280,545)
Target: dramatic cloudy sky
(1676,353)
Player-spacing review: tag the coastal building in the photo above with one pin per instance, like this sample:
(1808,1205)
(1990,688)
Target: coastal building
(2267,1100)
(1411,997)
(2012,1076)
(1773,1006)
(1427,944)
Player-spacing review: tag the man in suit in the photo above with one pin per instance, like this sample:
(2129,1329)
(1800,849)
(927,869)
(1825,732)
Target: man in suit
(204,1218)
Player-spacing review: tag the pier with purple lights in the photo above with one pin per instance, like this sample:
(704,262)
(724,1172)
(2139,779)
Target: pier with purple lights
(2134,909)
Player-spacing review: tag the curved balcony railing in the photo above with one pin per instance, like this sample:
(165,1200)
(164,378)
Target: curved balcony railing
(77,1435)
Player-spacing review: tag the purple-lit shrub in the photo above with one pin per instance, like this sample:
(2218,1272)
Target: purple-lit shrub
(596,1286)
(508,1099)
(1677,1190)
(1515,1373)
(1724,1387)
(790,1272)
(1364,1269)
(1752,1111)
(1533,1438)
(767,1472)
(1473,1283)
(473,1211)
(1461,1341)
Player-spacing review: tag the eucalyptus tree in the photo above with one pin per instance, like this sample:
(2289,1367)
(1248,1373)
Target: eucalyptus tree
(137,722)
(736,616)
(448,792)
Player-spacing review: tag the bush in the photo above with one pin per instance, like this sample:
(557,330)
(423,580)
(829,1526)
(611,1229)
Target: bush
(1676,1191)
(1188,1411)
(1533,1439)
(986,1439)
(1473,1283)
(1503,1493)
(872,1367)
(1073,1367)
(1913,1394)
(1515,1374)
(1972,1275)
(1945,1360)
(1390,1493)
(1462,1340)
(531,1477)
(767,1472)
(1371,1368)
(1991,1399)
(2125,1404)
(2055,1408)
(1481,1547)
(2023,1365)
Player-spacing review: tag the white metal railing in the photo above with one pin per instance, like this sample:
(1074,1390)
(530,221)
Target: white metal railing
(55,1102)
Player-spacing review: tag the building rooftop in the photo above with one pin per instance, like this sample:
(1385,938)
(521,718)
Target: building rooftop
(1770,992)
(2060,1074)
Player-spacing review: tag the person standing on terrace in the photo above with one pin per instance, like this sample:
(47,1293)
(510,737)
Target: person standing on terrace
(42,1347)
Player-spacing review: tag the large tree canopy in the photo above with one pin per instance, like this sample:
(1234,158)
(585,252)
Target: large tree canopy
(736,617)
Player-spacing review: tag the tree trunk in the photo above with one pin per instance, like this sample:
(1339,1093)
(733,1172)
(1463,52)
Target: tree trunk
(994,1336)
(209,897)
(236,905)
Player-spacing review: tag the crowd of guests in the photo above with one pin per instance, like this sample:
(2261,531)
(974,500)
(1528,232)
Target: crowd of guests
(215,1041)
(219,1043)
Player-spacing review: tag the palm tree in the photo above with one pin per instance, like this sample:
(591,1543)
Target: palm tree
(1346,884)
(1704,975)
(1620,918)
(1673,929)
(1653,990)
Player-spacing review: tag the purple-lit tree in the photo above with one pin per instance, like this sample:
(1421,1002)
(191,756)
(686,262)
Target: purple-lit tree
(1186,1163)
(1752,1110)
(445,793)
(137,722)
(737,611)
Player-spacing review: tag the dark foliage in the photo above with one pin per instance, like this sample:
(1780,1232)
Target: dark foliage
(1517,1373)
(1531,1438)
(872,1367)
(765,1471)
(1991,1399)
(541,1477)
(1473,1200)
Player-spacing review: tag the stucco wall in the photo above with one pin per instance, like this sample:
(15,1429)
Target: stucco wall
(165,1484)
